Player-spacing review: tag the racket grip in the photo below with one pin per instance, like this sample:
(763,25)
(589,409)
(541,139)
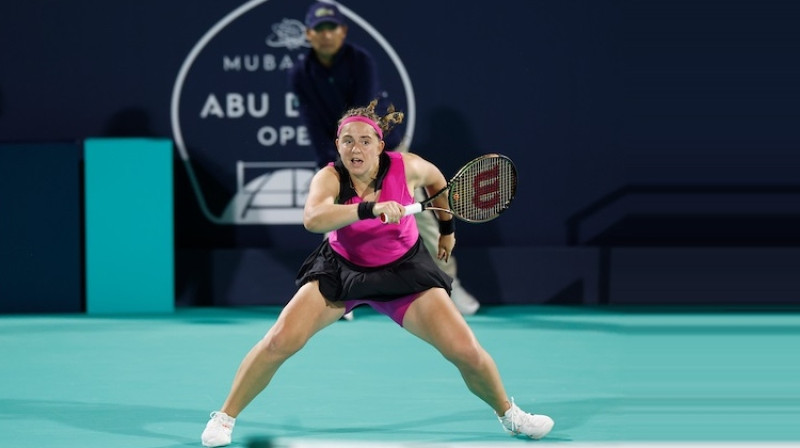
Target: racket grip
(412,209)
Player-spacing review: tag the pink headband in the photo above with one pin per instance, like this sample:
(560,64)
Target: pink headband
(361,119)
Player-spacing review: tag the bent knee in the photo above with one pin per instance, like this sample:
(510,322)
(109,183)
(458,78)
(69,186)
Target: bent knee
(467,354)
(282,344)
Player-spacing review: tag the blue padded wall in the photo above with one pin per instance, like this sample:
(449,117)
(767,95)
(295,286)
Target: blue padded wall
(40,228)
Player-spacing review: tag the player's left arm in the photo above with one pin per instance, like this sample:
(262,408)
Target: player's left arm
(422,173)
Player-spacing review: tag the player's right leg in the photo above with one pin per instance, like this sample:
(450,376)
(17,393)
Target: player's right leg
(304,315)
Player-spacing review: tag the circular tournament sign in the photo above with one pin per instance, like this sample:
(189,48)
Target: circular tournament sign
(234,117)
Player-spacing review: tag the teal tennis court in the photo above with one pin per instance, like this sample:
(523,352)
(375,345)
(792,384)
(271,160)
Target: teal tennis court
(607,376)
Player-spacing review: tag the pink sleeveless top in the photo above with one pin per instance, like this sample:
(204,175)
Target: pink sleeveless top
(369,242)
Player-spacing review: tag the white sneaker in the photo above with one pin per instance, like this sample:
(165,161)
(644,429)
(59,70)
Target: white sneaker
(466,303)
(218,430)
(516,421)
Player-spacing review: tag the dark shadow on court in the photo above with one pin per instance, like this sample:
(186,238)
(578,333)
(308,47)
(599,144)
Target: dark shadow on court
(131,420)
(112,418)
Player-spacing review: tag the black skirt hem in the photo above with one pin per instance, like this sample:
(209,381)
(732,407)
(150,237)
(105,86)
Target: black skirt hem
(339,279)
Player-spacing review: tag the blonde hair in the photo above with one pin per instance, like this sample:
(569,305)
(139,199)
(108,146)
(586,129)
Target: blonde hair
(385,122)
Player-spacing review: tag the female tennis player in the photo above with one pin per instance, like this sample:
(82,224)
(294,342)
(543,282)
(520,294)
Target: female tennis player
(367,262)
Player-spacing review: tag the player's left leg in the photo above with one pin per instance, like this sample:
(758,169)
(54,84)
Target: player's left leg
(434,318)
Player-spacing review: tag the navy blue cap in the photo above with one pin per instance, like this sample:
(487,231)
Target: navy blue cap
(321,12)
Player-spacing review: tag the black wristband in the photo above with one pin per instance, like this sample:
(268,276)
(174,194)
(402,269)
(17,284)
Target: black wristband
(447,227)
(365,210)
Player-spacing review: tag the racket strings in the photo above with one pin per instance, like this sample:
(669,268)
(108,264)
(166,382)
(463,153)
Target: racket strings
(483,189)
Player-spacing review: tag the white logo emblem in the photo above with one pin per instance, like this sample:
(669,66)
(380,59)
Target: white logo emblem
(289,33)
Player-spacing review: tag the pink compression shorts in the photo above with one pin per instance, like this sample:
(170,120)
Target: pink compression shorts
(396,309)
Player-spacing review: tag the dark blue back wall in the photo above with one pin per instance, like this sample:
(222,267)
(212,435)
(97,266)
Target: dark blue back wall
(607,107)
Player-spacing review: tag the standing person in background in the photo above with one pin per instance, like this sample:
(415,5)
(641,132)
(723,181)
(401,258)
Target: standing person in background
(334,77)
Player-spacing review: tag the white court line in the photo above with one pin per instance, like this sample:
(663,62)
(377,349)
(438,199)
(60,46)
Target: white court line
(281,443)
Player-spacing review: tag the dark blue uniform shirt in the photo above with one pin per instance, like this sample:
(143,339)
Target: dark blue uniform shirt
(325,93)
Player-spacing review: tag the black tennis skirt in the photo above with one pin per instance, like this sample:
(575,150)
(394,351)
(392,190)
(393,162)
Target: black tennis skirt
(339,279)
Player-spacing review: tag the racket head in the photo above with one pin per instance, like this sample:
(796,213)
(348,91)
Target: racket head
(483,189)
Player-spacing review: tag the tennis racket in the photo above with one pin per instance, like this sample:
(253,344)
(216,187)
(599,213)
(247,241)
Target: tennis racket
(479,192)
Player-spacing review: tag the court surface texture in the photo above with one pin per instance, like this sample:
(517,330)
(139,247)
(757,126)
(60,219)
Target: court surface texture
(609,378)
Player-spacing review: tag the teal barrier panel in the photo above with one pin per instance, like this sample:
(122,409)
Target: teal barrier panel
(130,265)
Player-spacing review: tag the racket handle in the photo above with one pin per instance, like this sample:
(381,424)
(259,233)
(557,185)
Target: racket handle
(412,209)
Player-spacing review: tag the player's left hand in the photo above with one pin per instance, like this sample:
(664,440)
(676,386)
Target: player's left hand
(446,245)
